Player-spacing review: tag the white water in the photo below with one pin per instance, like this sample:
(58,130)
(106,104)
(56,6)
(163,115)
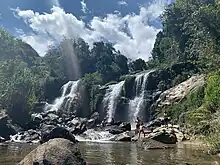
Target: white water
(95,136)
(136,104)
(69,92)
(110,99)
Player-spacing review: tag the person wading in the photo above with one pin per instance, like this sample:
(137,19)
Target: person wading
(141,130)
(138,124)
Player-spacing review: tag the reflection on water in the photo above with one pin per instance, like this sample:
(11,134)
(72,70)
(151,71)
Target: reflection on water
(117,154)
(130,154)
(13,153)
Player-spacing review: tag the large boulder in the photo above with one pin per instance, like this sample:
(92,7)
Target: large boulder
(93,120)
(58,132)
(125,126)
(164,137)
(124,137)
(115,130)
(119,128)
(79,129)
(55,152)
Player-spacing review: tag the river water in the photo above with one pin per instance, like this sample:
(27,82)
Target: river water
(118,154)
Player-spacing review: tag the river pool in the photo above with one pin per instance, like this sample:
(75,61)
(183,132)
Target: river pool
(118,154)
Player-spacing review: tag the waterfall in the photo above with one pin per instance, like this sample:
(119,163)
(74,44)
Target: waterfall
(110,99)
(137,104)
(69,92)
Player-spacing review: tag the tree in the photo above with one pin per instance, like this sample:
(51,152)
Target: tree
(138,65)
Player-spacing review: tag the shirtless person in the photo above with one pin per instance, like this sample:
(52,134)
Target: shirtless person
(141,130)
(138,124)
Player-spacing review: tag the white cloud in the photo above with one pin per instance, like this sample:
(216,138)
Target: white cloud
(131,34)
(123,3)
(55,3)
(84,6)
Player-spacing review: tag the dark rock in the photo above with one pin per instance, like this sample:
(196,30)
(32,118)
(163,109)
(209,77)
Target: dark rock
(165,137)
(58,132)
(94,119)
(91,123)
(124,137)
(125,126)
(6,127)
(2,139)
(79,129)
(55,152)
(95,116)
(39,107)
(115,131)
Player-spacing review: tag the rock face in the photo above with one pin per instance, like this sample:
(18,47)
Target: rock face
(55,152)
(180,91)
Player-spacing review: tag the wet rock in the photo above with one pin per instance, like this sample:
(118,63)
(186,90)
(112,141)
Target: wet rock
(119,128)
(125,126)
(52,117)
(55,151)
(30,136)
(2,139)
(115,130)
(39,107)
(95,116)
(79,129)
(164,137)
(58,132)
(125,137)
(93,120)
(6,127)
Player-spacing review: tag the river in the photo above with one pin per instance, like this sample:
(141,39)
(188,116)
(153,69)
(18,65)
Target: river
(117,154)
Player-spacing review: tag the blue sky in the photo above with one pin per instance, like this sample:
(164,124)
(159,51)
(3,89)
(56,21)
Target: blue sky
(131,25)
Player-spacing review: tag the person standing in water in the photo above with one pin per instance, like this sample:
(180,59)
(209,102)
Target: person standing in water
(141,129)
(138,124)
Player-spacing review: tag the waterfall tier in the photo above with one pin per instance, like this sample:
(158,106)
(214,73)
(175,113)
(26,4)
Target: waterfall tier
(69,93)
(111,99)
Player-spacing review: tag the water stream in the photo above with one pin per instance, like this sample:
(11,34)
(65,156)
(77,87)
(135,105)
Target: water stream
(137,104)
(110,99)
(69,92)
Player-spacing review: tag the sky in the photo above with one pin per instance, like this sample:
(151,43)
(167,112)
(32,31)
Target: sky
(130,25)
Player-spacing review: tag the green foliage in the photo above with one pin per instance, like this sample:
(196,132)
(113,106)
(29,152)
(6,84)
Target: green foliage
(190,33)
(75,55)
(19,89)
(138,65)
(212,97)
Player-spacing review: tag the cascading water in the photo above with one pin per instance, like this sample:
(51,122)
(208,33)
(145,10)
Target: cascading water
(69,92)
(137,104)
(110,99)
(93,135)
